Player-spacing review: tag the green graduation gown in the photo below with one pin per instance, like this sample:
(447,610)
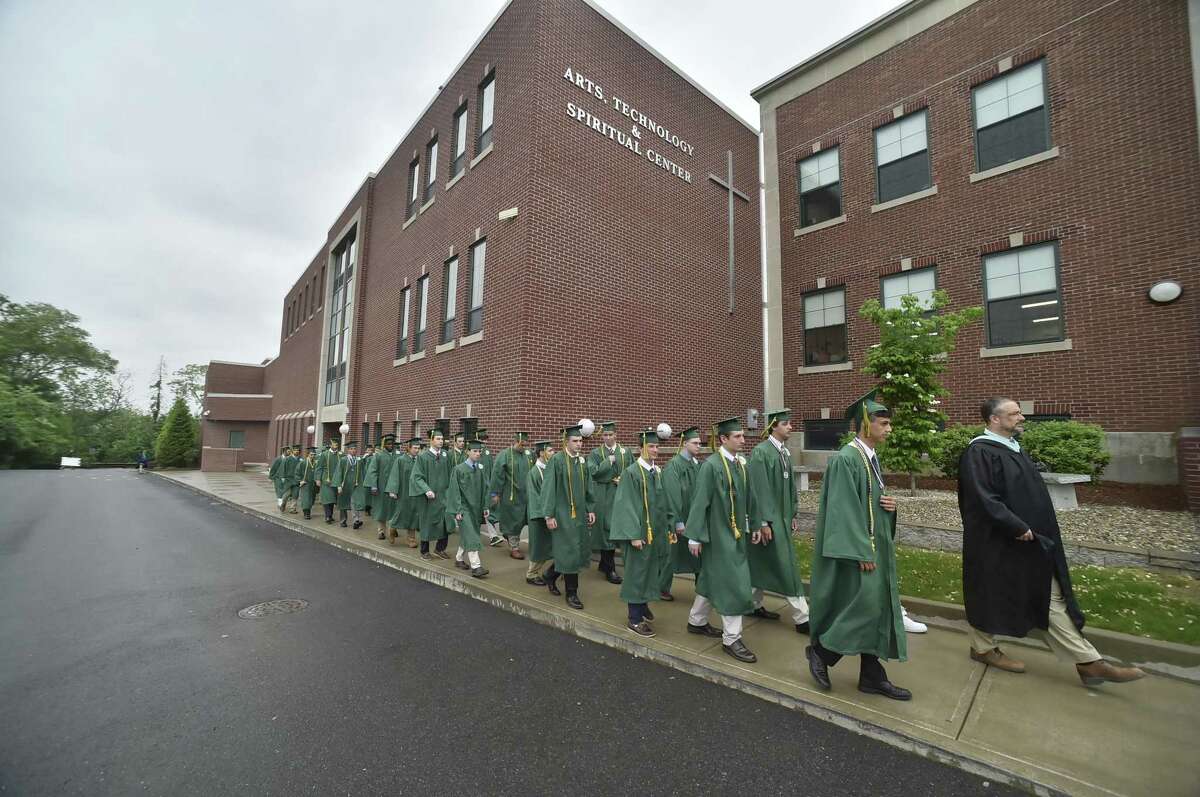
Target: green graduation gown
(275,474)
(467,495)
(773,566)
(508,483)
(327,465)
(308,487)
(724,571)
(640,512)
(430,472)
(567,484)
(855,611)
(378,471)
(605,475)
(541,544)
(291,476)
(487,461)
(369,500)
(352,479)
(404,506)
(678,479)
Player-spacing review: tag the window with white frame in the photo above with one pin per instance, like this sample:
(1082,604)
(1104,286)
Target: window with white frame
(1011,121)
(902,157)
(402,340)
(431,156)
(487,109)
(459,160)
(422,314)
(820,187)
(414,187)
(337,350)
(1022,293)
(825,327)
(920,284)
(478,264)
(449,299)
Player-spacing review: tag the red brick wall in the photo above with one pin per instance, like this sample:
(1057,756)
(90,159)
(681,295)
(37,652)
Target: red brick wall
(215,434)
(1189,466)
(605,297)
(233,378)
(1121,199)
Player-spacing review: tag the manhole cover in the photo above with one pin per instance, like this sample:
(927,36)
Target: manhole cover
(281,606)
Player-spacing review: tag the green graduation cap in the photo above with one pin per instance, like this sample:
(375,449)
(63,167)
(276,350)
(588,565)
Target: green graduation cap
(475,445)
(312,449)
(412,441)
(435,431)
(690,433)
(387,438)
(522,435)
(608,426)
(540,446)
(460,436)
(774,418)
(481,433)
(647,436)
(575,430)
(351,444)
(728,426)
(866,406)
(285,449)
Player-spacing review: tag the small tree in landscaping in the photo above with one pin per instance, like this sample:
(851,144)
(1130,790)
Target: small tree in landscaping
(915,341)
(176,444)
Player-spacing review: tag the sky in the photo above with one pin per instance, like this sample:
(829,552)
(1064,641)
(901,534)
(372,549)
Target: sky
(167,169)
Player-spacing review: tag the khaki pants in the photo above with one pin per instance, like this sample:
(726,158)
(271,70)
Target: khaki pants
(534,569)
(1063,637)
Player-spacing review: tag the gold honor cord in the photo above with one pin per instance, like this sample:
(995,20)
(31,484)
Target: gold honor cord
(570,487)
(512,482)
(737,535)
(646,508)
(870,500)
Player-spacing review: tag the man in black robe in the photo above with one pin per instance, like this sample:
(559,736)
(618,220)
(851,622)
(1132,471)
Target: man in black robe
(1015,574)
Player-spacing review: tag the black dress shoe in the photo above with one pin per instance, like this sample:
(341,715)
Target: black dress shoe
(740,652)
(479,572)
(885,688)
(802,628)
(612,578)
(357,524)
(816,666)
(574,602)
(553,587)
(704,630)
(328,520)
(666,596)
(427,557)
(764,613)
(641,629)
(461,565)
(343,524)
(649,615)
(536,581)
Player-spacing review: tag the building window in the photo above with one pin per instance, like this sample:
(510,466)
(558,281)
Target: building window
(1010,116)
(459,161)
(366,438)
(338,341)
(431,155)
(820,188)
(321,293)
(402,341)
(422,314)
(414,187)
(478,263)
(824,435)
(902,157)
(1023,303)
(378,432)
(487,106)
(237,438)
(920,284)
(449,299)
(825,327)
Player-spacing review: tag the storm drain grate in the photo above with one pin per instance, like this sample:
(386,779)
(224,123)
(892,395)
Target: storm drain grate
(281,606)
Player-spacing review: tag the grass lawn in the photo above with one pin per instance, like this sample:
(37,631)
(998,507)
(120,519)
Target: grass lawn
(1121,599)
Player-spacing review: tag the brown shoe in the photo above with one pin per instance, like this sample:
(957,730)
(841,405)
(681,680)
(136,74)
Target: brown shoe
(412,539)
(1100,671)
(996,658)
(515,553)
(392,535)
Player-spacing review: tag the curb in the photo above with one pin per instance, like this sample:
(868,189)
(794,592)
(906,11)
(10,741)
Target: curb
(584,630)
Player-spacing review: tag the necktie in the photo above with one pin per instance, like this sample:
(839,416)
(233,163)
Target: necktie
(875,468)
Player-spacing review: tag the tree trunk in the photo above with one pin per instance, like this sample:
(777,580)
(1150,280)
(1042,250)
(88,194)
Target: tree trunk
(912,484)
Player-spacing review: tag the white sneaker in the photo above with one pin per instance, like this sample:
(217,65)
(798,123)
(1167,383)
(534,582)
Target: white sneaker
(911,625)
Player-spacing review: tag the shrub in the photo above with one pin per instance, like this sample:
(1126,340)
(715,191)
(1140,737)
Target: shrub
(176,444)
(1059,446)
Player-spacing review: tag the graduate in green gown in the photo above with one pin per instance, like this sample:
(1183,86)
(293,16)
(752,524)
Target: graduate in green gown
(507,491)
(291,479)
(486,460)
(641,520)
(308,482)
(351,479)
(541,545)
(275,474)
(327,465)
(367,457)
(427,483)
(378,471)
(404,507)
(458,450)
(679,476)
(856,600)
(606,463)
(467,501)
(568,506)
(718,531)
(773,562)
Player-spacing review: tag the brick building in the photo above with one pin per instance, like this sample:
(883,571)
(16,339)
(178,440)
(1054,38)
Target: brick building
(554,238)
(1035,158)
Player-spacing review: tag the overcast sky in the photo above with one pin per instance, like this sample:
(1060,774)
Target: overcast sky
(168,168)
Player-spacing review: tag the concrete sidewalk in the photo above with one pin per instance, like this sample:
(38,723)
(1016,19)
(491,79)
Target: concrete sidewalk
(1041,730)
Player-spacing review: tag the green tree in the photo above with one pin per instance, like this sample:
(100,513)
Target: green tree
(915,342)
(188,383)
(43,347)
(176,444)
(33,430)
(156,388)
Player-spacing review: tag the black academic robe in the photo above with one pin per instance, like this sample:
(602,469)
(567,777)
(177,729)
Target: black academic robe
(1006,582)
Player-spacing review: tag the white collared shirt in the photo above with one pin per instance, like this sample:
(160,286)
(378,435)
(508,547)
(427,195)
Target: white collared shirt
(728,456)
(541,464)
(870,452)
(646,465)
(776,442)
